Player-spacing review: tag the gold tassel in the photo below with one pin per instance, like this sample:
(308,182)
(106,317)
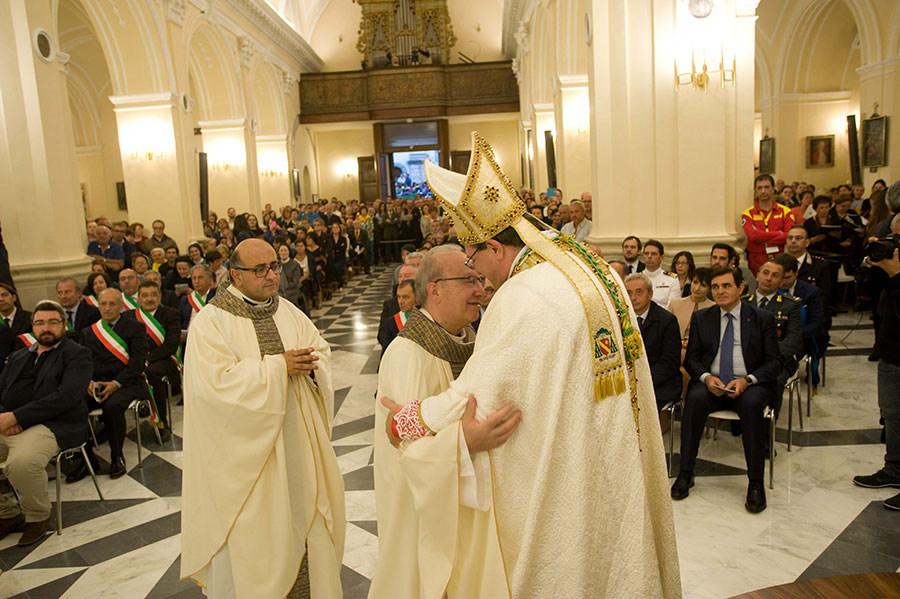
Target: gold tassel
(620,381)
(597,396)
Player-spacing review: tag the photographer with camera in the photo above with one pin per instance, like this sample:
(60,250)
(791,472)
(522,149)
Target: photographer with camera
(884,253)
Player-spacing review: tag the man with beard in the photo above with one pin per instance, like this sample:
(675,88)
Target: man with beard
(41,412)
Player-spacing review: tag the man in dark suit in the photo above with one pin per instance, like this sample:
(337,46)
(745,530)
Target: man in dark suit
(631,250)
(662,339)
(118,377)
(788,321)
(816,321)
(15,318)
(41,412)
(168,297)
(163,327)
(194,300)
(814,271)
(406,300)
(733,360)
(7,339)
(391,306)
(79,313)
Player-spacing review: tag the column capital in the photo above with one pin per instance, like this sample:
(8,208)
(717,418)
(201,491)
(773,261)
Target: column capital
(745,8)
(144,101)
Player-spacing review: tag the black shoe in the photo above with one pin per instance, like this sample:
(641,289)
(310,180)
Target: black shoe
(874,357)
(735,428)
(879,480)
(165,435)
(117,468)
(756,497)
(893,503)
(13,524)
(683,484)
(34,532)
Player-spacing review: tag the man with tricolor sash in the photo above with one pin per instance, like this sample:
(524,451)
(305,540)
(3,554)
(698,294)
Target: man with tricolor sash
(79,313)
(119,351)
(163,326)
(128,283)
(406,299)
(196,299)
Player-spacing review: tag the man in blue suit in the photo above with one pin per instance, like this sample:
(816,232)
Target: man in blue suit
(190,304)
(733,360)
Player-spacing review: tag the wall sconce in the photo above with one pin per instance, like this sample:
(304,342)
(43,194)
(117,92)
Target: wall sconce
(148,155)
(699,78)
(271,173)
(222,166)
(347,168)
(145,140)
(701,38)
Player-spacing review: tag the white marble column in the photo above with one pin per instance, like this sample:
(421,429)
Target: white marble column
(41,212)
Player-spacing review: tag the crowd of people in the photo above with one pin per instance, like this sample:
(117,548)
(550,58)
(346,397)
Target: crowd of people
(118,336)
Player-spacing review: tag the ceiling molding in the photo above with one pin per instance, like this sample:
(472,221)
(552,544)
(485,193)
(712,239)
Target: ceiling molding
(273,25)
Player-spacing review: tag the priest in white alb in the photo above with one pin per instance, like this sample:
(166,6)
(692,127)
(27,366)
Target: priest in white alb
(263,498)
(579,493)
(415,551)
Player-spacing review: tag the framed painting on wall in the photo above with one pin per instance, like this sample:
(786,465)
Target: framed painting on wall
(819,151)
(874,141)
(767,156)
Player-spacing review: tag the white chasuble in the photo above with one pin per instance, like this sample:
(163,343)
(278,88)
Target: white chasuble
(261,483)
(581,500)
(428,544)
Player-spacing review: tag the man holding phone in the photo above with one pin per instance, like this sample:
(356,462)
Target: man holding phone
(733,360)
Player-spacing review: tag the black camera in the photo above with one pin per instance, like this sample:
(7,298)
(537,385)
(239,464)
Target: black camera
(882,249)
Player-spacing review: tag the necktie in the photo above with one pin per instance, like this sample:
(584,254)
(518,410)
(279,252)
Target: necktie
(764,302)
(726,351)
(69,317)
(6,321)
(641,322)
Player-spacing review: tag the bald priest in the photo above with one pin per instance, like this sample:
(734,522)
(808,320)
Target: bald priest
(263,501)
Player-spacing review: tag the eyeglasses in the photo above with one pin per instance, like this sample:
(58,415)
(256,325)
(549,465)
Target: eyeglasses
(468,262)
(263,269)
(53,322)
(470,281)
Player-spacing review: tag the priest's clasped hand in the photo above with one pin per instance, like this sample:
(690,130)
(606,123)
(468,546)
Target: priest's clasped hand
(300,361)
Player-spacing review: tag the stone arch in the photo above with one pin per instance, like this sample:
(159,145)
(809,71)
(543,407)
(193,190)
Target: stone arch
(811,26)
(133,45)
(571,45)
(542,58)
(763,75)
(268,99)
(214,72)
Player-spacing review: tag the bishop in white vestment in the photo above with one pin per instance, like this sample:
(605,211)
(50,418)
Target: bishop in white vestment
(263,497)
(579,493)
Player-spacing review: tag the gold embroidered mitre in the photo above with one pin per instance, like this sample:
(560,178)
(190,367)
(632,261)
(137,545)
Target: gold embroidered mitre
(488,202)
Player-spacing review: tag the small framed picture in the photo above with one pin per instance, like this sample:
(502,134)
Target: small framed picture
(767,156)
(874,141)
(820,151)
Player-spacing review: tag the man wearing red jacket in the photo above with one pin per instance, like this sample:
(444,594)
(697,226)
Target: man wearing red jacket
(765,224)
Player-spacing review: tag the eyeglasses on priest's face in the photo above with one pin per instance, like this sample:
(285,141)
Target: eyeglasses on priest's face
(261,270)
(469,281)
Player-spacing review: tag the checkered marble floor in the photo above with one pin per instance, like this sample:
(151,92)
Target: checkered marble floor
(817,523)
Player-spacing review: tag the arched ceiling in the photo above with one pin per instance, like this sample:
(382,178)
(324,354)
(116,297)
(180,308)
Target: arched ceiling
(330,27)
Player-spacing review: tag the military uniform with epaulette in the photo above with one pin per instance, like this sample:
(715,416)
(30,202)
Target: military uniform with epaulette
(789,322)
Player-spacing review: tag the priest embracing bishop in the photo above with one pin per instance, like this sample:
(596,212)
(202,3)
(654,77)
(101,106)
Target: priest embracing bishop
(576,502)
(263,499)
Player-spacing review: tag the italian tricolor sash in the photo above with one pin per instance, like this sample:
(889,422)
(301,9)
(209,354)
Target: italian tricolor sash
(92,300)
(28,339)
(154,329)
(196,301)
(117,347)
(130,304)
(110,340)
(400,318)
(157,333)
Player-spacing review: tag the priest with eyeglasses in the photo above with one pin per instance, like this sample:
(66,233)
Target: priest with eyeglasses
(263,500)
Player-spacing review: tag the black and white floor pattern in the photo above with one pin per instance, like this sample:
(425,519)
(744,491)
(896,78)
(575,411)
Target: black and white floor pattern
(817,523)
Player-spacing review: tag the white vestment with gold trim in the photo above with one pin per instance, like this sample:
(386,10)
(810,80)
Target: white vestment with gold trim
(581,501)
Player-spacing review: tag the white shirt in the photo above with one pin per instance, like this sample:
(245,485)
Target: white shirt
(768,298)
(11,317)
(740,369)
(580,232)
(665,286)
